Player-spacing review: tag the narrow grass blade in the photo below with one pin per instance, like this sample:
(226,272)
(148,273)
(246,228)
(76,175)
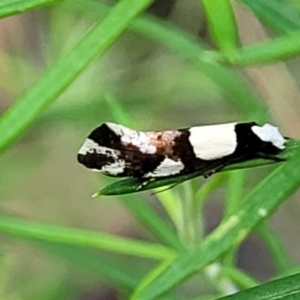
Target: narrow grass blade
(125,278)
(269,51)
(287,288)
(257,206)
(133,185)
(152,221)
(280,15)
(190,48)
(23,112)
(59,234)
(11,7)
(276,247)
(222,24)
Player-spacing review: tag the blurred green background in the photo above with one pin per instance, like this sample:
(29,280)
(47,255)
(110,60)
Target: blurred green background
(142,84)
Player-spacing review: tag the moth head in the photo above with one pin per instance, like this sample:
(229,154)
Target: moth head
(271,134)
(89,146)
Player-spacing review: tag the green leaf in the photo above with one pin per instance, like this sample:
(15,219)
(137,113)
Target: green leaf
(272,50)
(21,114)
(238,277)
(59,234)
(151,276)
(207,62)
(277,248)
(152,221)
(278,14)
(285,288)
(112,270)
(258,205)
(190,48)
(12,7)
(222,24)
(133,185)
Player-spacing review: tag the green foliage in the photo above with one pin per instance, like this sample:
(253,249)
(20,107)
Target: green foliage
(180,250)
(93,44)
(285,288)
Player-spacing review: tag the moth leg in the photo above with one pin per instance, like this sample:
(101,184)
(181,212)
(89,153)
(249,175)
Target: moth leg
(216,169)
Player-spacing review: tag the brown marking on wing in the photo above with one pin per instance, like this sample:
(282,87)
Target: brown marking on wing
(164,141)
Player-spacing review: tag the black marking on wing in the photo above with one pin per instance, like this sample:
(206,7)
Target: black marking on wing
(137,164)
(106,137)
(183,150)
(94,160)
(140,164)
(249,144)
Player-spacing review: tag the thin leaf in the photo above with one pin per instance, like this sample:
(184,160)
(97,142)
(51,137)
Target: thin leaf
(192,49)
(59,234)
(280,15)
(240,278)
(21,114)
(113,271)
(285,288)
(222,24)
(12,7)
(133,185)
(152,221)
(272,50)
(234,192)
(151,276)
(258,205)
(170,203)
(232,203)
(276,248)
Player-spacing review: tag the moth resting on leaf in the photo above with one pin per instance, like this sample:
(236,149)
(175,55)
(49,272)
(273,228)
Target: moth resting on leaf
(118,151)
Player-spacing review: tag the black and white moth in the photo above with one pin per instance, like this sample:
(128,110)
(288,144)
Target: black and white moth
(118,151)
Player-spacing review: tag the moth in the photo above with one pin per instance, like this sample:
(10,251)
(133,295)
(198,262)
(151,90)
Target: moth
(118,151)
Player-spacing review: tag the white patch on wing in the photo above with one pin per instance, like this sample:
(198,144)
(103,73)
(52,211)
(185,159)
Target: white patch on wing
(213,141)
(89,146)
(140,140)
(270,133)
(137,138)
(114,168)
(119,129)
(111,168)
(166,168)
